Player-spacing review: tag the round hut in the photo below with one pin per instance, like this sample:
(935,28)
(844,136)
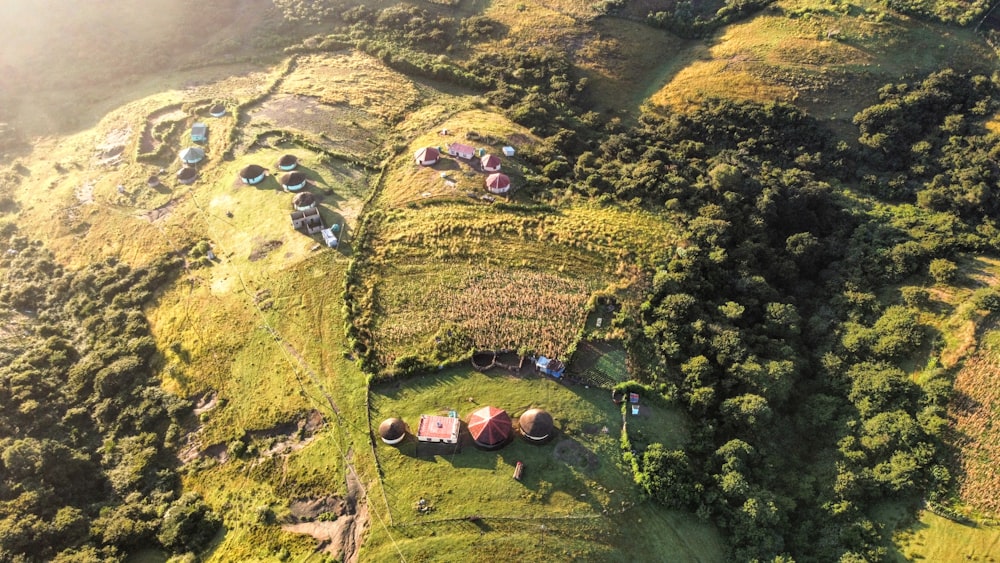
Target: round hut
(490,163)
(192,155)
(288,162)
(253,174)
(303,201)
(153,181)
(293,181)
(218,110)
(392,431)
(498,183)
(536,425)
(187,175)
(490,427)
(427,156)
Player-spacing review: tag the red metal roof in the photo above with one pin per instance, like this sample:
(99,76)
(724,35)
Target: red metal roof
(490,426)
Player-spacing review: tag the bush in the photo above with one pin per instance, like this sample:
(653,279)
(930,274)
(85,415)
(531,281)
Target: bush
(943,271)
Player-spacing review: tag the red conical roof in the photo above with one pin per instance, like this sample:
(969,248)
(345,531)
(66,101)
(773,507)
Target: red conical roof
(490,426)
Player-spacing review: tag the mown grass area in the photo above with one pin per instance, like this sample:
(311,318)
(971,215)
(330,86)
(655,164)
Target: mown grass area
(933,538)
(827,59)
(574,497)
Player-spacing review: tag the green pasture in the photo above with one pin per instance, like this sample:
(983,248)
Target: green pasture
(933,538)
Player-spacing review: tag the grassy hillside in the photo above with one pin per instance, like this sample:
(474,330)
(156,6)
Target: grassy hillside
(291,352)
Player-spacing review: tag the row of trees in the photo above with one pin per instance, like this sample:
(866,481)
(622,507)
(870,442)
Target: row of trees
(86,434)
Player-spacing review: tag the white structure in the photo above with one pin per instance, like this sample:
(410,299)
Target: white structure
(508,151)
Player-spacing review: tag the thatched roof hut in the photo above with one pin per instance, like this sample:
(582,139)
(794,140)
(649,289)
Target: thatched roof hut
(303,201)
(288,162)
(536,425)
(392,431)
(187,174)
(294,181)
(253,174)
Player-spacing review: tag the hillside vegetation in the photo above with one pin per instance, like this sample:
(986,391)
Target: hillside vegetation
(775,222)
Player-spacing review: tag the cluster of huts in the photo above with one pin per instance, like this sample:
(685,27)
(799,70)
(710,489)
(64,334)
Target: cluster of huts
(489,427)
(192,155)
(496,181)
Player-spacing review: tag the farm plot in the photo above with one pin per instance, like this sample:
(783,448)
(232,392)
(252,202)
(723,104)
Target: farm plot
(975,410)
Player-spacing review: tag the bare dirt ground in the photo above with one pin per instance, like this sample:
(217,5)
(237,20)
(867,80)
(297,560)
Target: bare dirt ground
(341,537)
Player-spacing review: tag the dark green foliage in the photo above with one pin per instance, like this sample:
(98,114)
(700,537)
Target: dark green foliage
(85,470)
(188,525)
(769,320)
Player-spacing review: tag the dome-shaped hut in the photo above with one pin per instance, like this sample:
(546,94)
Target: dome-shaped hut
(536,425)
(498,183)
(253,174)
(217,110)
(187,175)
(153,181)
(490,163)
(293,181)
(303,201)
(392,431)
(192,155)
(490,427)
(288,162)
(427,156)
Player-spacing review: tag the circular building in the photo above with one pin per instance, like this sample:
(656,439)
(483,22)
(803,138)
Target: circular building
(293,181)
(218,110)
(192,155)
(427,156)
(187,175)
(490,427)
(536,425)
(490,163)
(153,181)
(392,431)
(498,183)
(288,162)
(253,174)
(303,201)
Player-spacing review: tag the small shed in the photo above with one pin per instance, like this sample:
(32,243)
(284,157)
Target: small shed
(490,427)
(508,151)
(187,175)
(288,162)
(536,425)
(253,174)
(490,163)
(498,183)
(461,151)
(427,156)
(549,366)
(192,155)
(199,133)
(392,431)
(303,201)
(218,110)
(293,181)
(330,236)
(438,429)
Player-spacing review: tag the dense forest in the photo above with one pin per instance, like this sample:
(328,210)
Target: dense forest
(780,320)
(87,469)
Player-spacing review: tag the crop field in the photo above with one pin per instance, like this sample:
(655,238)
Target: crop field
(975,412)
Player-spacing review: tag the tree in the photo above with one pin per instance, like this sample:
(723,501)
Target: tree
(188,525)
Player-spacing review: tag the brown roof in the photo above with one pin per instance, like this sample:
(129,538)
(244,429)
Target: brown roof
(304,199)
(536,424)
(187,172)
(288,160)
(391,429)
(293,178)
(497,181)
(251,171)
